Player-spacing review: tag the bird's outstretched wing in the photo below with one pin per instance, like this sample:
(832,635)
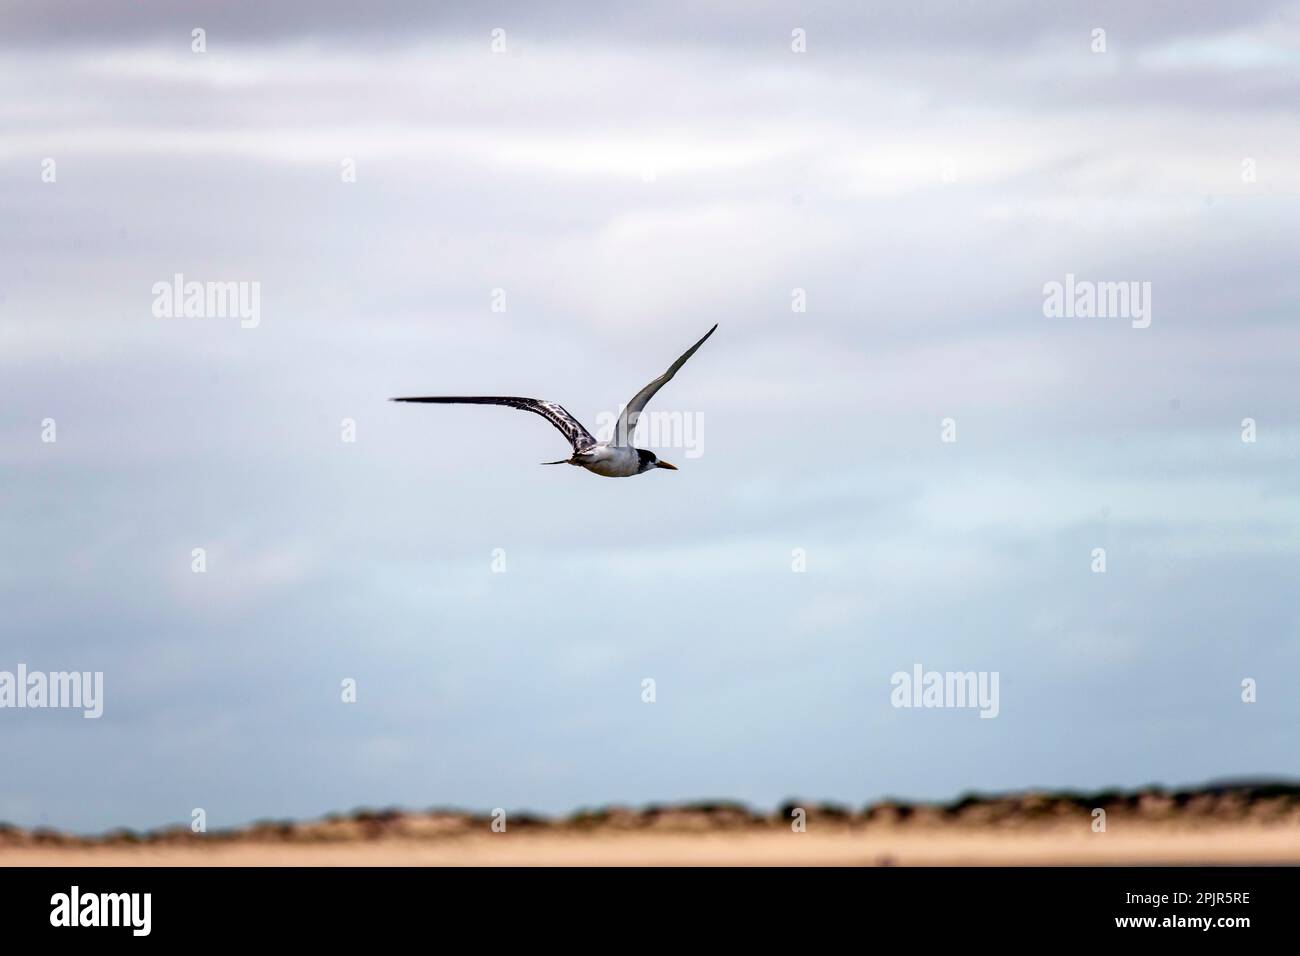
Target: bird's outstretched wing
(569,426)
(626,425)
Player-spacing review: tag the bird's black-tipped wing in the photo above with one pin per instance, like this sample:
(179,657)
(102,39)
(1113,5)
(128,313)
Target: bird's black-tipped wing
(569,426)
(632,411)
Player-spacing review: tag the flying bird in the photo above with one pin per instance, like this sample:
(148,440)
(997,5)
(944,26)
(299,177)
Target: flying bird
(615,458)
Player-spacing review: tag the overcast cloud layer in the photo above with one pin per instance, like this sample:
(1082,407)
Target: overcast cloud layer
(629,178)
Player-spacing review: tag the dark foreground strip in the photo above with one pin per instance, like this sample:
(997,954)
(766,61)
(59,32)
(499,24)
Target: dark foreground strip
(659,908)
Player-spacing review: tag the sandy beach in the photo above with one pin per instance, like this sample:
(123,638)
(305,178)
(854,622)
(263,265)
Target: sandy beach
(943,847)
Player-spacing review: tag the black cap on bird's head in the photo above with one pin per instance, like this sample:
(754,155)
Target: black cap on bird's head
(650,460)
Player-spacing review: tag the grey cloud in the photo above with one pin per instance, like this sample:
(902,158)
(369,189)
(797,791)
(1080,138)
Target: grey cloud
(843,27)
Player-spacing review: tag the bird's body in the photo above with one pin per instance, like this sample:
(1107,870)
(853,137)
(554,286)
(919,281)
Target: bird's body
(610,461)
(615,458)
(616,461)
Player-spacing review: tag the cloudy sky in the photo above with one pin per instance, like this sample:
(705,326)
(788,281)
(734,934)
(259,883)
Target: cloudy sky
(627,178)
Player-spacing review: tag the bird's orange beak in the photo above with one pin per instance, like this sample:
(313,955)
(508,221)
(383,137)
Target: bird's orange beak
(664,464)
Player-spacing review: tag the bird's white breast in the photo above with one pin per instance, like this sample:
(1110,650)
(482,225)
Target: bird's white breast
(616,461)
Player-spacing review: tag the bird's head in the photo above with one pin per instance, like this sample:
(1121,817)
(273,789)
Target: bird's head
(650,460)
